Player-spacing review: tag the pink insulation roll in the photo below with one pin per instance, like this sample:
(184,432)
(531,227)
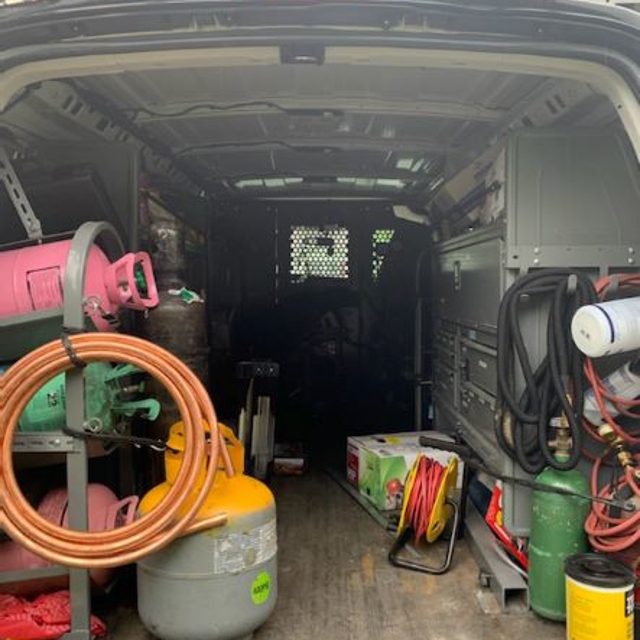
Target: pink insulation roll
(106,512)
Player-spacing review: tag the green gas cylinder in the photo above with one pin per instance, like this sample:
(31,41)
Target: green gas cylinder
(557,532)
(109,396)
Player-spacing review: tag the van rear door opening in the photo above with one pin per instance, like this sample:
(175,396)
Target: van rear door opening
(336,198)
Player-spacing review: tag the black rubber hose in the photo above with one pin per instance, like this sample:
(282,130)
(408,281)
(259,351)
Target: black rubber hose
(555,386)
(560,354)
(508,315)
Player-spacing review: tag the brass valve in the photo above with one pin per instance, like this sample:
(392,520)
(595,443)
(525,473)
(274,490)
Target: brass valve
(615,442)
(562,443)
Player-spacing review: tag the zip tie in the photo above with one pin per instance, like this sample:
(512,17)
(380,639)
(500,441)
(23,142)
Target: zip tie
(75,359)
(572,284)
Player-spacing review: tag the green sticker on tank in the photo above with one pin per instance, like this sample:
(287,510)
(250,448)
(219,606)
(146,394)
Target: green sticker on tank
(261,588)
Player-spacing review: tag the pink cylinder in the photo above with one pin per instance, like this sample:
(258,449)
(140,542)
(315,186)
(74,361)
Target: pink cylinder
(33,279)
(106,512)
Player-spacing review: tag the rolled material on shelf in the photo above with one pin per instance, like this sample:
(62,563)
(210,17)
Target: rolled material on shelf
(154,530)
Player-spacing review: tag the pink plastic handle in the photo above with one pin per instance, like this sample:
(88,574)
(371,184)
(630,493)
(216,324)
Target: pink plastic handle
(127,507)
(120,280)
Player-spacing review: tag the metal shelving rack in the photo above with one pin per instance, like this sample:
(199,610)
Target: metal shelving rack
(17,336)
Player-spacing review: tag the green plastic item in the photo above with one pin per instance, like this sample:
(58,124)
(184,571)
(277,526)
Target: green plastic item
(186,295)
(110,394)
(141,280)
(557,532)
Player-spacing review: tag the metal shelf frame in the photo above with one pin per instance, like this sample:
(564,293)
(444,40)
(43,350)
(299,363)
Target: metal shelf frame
(422,374)
(72,318)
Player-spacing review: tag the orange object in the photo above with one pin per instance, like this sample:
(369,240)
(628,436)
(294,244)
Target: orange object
(236,496)
(172,517)
(175,452)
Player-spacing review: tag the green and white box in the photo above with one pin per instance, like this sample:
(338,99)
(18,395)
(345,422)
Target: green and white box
(384,461)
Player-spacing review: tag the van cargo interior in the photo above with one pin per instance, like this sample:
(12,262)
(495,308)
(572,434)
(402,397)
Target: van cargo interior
(348,221)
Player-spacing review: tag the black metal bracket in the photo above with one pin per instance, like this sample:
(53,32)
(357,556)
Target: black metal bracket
(249,369)
(405,535)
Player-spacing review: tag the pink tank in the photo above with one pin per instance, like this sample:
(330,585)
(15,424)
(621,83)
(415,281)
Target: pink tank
(106,512)
(33,278)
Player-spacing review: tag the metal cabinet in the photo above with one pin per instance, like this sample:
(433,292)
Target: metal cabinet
(468,286)
(566,199)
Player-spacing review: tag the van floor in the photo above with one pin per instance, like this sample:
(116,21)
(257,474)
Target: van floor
(335,582)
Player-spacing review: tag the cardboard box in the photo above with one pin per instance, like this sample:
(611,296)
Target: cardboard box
(382,462)
(289,459)
(355,445)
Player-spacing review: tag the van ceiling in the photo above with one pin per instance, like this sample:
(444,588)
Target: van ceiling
(323,129)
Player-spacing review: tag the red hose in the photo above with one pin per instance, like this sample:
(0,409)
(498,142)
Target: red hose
(608,533)
(421,501)
(622,280)
(601,394)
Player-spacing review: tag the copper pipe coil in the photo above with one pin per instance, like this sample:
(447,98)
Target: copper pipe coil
(174,516)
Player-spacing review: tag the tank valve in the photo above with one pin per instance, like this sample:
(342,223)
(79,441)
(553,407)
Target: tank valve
(562,443)
(615,442)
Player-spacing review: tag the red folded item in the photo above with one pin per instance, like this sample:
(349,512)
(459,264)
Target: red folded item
(48,616)
(494,519)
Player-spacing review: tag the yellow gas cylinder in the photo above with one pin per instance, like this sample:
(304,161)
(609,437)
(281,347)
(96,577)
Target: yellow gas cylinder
(219,584)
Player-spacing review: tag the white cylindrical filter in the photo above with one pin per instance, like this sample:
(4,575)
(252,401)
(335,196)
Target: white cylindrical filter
(608,327)
(623,383)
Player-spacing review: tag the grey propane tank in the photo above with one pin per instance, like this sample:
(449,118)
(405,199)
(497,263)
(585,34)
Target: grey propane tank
(220,584)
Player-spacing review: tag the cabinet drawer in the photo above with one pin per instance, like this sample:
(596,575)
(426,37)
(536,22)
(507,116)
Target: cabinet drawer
(480,364)
(479,410)
(445,384)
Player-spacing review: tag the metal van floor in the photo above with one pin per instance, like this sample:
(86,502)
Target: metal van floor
(335,582)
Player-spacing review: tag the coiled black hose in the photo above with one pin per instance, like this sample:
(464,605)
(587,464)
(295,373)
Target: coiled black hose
(556,386)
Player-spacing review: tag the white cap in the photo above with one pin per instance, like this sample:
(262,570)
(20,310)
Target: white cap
(607,327)
(591,331)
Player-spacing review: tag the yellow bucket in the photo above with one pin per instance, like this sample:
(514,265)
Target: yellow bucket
(600,598)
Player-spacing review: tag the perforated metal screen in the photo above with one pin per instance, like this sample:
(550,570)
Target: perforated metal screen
(380,240)
(319,252)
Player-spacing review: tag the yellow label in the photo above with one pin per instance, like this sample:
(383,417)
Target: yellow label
(595,613)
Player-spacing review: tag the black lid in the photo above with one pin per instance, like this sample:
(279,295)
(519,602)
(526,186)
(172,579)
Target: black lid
(599,570)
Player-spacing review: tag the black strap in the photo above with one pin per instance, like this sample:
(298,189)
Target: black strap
(75,359)
(119,438)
